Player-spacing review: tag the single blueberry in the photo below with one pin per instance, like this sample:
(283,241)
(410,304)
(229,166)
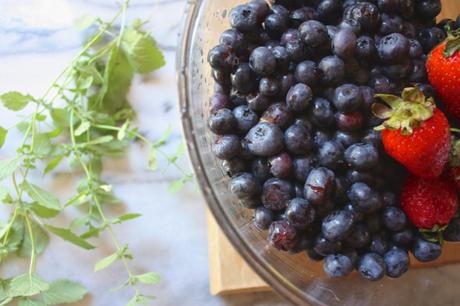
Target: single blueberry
(372,266)
(300,213)
(394,219)
(365,198)
(337,225)
(332,69)
(344,43)
(245,118)
(298,139)
(234,166)
(262,61)
(264,139)
(226,146)
(282,235)
(263,217)
(281,165)
(359,237)
(319,186)
(244,18)
(330,154)
(313,33)
(298,97)
(324,247)
(337,265)
(397,262)
(302,167)
(307,72)
(278,114)
(276,194)
(362,156)
(426,251)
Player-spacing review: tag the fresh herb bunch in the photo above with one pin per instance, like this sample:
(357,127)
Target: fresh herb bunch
(93,120)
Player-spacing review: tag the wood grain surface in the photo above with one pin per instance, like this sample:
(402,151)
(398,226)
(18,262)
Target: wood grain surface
(229,273)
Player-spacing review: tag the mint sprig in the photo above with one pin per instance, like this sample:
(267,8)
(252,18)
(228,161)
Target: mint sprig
(81,119)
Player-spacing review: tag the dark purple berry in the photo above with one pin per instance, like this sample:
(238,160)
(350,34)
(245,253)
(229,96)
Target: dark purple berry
(319,186)
(300,213)
(337,265)
(276,194)
(264,139)
(263,217)
(372,266)
(298,97)
(282,235)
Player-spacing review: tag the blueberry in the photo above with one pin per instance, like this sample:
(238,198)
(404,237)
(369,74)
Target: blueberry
(406,8)
(319,186)
(285,83)
(289,35)
(320,137)
(332,69)
(403,238)
(389,198)
(365,198)
(260,8)
(348,97)
(351,24)
(237,98)
(379,243)
(222,58)
(350,121)
(218,101)
(226,146)
(452,232)
(428,9)
(304,243)
(346,138)
(302,166)
(307,72)
(222,122)
(245,186)
(258,102)
(394,219)
(355,176)
(372,266)
(362,156)
(244,18)
(299,97)
(300,213)
(234,39)
(264,139)
(321,113)
(233,166)
(276,194)
(367,14)
(245,118)
(409,30)
(278,114)
(263,217)
(280,10)
(337,265)
(298,139)
(425,251)
(281,165)
(430,38)
(397,262)
(261,169)
(391,24)
(329,10)
(330,154)
(337,225)
(344,43)
(416,49)
(313,33)
(243,79)
(282,58)
(359,236)
(296,50)
(262,61)
(418,74)
(325,247)
(393,48)
(365,48)
(368,97)
(398,71)
(269,86)
(382,84)
(276,25)
(282,235)
(298,16)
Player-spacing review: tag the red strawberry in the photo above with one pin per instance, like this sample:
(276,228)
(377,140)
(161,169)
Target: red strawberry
(429,204)
(416,133)
(443,68)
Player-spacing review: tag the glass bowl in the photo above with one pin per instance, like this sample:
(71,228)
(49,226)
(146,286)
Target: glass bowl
(293,276)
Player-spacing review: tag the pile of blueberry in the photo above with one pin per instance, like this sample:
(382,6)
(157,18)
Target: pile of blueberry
(295,81)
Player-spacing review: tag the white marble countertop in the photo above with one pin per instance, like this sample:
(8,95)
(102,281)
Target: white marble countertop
(37,38)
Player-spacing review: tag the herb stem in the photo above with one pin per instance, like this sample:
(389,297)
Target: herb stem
(33,255)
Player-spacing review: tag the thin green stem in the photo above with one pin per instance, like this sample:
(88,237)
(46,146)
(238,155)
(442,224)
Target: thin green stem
(33,253)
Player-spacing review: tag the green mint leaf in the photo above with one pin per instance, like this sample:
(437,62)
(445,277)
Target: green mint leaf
(138,299)
(122,132)
(83,127)
(8,167)
(163,138)
(63,292)
(125,218)
(149,278)
(118,75)
(60,117)
(3,133)
(40,117)
(26,285)
(100,140)
(42,211)
(53,164)
(69,236)
(16,235)
(106,261)
(85,83)
(42,144)
(30,302)
(153,162)
(40,238)
(92,232)
(142,51)
(15,101)
(44,198)
(176,185)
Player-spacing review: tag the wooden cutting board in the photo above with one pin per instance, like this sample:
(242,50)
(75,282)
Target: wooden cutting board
(229,273)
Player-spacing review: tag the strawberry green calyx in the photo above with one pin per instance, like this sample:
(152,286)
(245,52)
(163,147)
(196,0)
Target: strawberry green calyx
(452,43)
(403,113)
(434,235)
